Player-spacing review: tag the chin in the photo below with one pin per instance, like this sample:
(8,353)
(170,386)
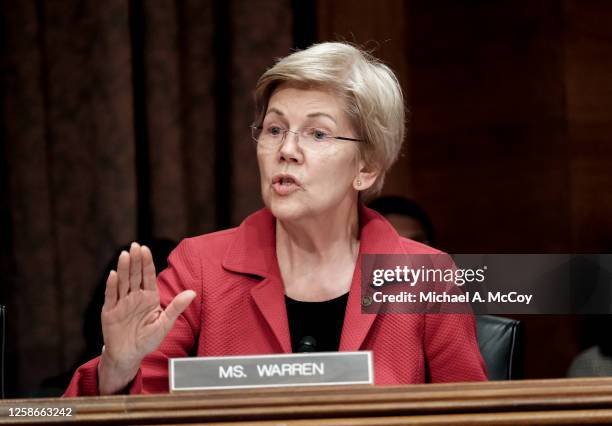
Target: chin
(286,209)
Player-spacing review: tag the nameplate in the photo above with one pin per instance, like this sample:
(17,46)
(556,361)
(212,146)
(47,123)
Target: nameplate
(253,371)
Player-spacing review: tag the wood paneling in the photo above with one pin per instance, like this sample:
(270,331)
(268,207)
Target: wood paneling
(489,152)
(575,401)
(379,27)
(509,146)
(588,82)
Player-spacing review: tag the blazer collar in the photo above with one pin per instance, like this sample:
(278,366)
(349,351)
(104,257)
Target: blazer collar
(253,252)
(377,236)
(253,249)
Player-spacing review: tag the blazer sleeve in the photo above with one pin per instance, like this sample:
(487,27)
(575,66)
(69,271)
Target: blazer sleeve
(183,273)
(451,348)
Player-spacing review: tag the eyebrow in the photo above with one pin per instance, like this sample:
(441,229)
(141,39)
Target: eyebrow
(311,115)
(322,114)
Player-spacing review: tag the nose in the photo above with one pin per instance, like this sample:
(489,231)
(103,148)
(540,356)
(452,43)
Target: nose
(290,150)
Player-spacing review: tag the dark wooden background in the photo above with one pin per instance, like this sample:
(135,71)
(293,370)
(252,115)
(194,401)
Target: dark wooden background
(128,120)
(510,135)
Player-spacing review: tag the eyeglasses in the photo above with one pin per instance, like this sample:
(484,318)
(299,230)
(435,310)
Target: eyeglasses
(311,137)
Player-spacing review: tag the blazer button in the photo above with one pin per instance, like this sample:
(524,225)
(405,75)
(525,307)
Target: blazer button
(366,300)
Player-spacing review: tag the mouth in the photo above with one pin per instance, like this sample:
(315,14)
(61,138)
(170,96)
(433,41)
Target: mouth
(284,179)
(285,184)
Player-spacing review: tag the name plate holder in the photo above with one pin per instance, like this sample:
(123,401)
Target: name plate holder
(253,371)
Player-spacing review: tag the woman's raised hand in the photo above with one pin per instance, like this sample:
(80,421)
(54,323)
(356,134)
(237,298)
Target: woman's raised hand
(133,322)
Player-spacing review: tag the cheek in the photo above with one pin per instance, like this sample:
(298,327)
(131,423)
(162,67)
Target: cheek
(339,167)
(263,161)
(264,170)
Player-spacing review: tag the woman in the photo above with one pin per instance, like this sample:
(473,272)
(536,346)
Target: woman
(329,124)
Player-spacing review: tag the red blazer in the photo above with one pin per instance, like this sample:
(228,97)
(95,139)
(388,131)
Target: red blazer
(240,310)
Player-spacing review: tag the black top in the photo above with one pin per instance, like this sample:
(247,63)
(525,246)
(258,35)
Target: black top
(316,326)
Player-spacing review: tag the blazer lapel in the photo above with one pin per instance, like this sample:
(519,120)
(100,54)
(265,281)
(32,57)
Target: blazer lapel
(356,325)
(253,252)
(377,236)
(269,296)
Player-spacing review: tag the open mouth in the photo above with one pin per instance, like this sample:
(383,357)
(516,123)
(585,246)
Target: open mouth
(284,180)
(285,184)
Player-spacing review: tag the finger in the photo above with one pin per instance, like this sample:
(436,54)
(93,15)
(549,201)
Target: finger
(110,293)
(178,305)
(148,269)
(135,267)
(123,273)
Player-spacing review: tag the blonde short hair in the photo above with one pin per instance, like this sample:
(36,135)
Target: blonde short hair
(372,94)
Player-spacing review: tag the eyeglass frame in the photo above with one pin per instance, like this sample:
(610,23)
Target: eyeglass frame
(260,127)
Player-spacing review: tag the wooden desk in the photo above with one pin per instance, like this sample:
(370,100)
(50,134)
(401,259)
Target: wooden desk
(550,402)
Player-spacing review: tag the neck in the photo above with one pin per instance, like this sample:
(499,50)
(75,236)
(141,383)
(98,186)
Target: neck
(327,246)
(318,238)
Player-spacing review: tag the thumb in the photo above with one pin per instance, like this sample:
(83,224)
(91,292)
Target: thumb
(179,304)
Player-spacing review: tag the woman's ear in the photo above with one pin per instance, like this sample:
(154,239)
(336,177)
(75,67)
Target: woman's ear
(365,177)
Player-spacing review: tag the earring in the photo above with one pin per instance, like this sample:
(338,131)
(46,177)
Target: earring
(358,182)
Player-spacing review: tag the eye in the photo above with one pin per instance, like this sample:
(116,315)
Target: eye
(318,134)
(273,130)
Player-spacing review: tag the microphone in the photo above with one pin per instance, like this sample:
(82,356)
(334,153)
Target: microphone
(307,344)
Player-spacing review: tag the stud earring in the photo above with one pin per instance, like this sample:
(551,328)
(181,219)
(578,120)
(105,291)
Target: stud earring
(358,182)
